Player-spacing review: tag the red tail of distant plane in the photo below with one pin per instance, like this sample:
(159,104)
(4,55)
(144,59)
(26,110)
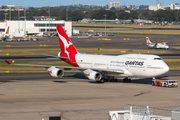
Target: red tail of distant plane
(148,40)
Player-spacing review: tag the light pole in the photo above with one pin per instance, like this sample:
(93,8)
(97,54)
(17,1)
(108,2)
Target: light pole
(24,22)
(66,14)
(18,20)
(5,16)
(10,13)
(105,23)
(49,18)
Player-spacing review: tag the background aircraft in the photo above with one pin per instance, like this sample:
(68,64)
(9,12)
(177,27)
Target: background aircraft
(3,36)
(156,45)
(9,36)
(103,67)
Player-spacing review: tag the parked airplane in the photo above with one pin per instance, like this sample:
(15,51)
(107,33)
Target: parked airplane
(9,36)
(156,45)
(103,67)
(3,36)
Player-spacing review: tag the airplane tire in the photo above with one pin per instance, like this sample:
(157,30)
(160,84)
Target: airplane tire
(101,81)
(126,79)
(129,80)
(152,83)
(105,80)
(98,81)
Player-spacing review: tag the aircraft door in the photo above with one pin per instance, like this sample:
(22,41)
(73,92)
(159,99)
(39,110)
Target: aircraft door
(92,65)
(107,65)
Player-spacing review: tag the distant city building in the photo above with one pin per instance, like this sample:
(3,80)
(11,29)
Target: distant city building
(115,4)
(174,6)
(159,6)
(12,8)
(9,6)
(44,18)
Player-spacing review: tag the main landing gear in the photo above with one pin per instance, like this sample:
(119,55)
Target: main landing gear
(108,79)
(126,79)
(112,79)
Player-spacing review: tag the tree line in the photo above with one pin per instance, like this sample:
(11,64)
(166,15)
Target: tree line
(76,14)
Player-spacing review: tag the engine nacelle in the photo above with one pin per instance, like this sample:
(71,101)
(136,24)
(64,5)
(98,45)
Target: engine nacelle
(94,76)
(55,72)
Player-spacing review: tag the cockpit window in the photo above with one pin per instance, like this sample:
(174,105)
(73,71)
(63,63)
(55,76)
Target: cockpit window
(157,58)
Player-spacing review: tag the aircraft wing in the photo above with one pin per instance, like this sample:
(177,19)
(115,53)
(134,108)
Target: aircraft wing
(51,55)
(68,67)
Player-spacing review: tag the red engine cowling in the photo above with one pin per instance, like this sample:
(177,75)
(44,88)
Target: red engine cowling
(93,75)
(55,72)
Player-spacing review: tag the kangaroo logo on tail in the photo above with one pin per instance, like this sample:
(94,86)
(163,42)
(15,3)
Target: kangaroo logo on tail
(67,48)
(65,43)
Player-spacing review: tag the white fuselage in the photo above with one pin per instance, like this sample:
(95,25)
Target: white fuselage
(133,65)
(160,45)
(2,35)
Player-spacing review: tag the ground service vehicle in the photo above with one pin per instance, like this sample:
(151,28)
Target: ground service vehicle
(165,83)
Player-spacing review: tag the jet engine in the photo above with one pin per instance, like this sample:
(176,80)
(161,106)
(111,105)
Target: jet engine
(55,72)
(93,75)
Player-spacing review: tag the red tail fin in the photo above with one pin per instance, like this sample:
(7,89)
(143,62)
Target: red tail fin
(67,48)
(64,41)
(148,40)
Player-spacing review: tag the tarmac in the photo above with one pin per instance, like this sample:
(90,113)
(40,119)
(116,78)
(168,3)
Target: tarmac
(36,96)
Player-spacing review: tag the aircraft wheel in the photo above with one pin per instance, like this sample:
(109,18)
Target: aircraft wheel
(125,79)
(152,83)
(101,81)
(129,80)
(98,81)
(105,80)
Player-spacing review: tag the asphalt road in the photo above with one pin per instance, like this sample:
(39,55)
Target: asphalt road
(27,96)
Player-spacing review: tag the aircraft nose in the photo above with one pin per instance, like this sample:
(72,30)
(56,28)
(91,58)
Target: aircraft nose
(166,68)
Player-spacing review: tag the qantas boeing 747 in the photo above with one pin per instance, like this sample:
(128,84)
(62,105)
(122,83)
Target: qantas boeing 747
(102,67)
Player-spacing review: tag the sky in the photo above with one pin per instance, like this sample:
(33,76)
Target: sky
(41,3)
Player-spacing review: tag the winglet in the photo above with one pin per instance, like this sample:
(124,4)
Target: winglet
(7,31)
(8,62)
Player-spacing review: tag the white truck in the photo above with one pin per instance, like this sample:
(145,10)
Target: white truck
(165,83)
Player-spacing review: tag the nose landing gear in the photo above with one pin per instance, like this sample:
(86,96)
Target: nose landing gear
(126,79)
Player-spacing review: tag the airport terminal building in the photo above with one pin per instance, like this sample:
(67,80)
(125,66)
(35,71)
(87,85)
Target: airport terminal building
(30,27)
